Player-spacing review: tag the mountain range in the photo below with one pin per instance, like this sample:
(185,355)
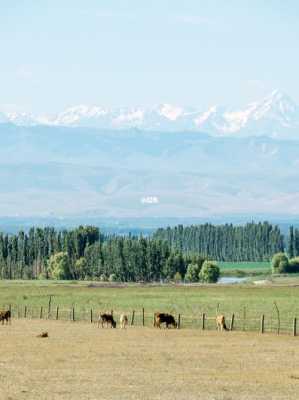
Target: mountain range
(277,116)
(73,165)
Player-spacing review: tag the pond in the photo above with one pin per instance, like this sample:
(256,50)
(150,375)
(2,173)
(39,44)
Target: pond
(227,280)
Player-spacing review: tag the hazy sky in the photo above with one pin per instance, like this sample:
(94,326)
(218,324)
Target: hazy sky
(58,53)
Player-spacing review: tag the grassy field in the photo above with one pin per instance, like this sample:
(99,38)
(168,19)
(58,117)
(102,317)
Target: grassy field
(244,268)
(80,362)
(247,302)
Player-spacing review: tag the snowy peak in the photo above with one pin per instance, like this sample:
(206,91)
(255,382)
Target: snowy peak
(277,115)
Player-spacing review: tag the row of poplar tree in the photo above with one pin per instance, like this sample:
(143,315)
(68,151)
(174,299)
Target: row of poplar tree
(84,253)
(251,242)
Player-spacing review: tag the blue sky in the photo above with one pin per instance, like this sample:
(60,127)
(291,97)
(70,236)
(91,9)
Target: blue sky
(60,53)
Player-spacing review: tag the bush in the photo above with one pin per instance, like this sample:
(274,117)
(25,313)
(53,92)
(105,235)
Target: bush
(112,278)
(209,273)
(279,263)
(59,266)
(192,274)
(293,265)
(177,277)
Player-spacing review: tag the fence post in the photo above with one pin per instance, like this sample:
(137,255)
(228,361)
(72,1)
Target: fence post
(262,328)
(41,313)
(73,313)
(179,321)
(232,322)
(133,316)
(57,312)
(49,306)
(91,316)
(203,321)
(25,312)
(295,327)
(143,317)
(244,318)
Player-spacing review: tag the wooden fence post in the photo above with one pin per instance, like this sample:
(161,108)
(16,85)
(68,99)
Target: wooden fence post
(25,312)
(73,313)
(91,316)
(133,316)
(244,318)
(57,312)
(143,317)
(262,328)
(203,321)
(232,322)
(41,313)
(179,321)
(49,306)
(295,327)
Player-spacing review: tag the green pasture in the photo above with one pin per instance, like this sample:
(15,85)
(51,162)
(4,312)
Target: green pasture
(245,268)
(245,301)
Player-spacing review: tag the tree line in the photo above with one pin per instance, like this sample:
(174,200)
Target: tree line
(84,253)
(173,253)
(251,242)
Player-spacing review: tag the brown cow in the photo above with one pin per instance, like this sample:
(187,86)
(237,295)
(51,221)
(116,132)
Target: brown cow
(5,316)
(161,318)
(220,322)
(108,319)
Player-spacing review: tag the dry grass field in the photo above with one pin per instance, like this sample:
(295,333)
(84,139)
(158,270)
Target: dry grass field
(79,361)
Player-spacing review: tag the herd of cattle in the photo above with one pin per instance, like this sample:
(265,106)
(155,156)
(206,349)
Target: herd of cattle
(108,320)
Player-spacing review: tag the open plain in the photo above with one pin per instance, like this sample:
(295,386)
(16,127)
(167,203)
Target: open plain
(80,361)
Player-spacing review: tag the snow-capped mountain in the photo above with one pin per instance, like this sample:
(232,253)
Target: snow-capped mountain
(277,115)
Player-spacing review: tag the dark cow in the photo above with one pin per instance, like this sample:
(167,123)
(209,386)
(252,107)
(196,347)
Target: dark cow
(5,316)
(108,319)
(161,318)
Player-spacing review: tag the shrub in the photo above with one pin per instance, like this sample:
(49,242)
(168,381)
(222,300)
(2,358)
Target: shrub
(59,266)
(279,263)
(192,273)
(112,278)
(177,277)
(293,265)
(209,273)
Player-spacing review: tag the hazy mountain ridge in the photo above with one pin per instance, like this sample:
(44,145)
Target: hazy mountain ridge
(47,170)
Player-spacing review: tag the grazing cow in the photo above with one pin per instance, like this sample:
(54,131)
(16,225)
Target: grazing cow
(5,316)
(161,318)
(108,319)
(220,322)
(123,320)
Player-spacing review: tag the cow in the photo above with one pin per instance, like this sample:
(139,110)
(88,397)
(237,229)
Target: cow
(161,318)
(108,319)
(123,321)
(5,316)
(220,322)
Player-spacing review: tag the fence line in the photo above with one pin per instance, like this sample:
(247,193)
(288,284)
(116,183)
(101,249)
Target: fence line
(259,323)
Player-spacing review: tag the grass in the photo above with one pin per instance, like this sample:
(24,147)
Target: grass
(80,362)
(245,301)
(243,269)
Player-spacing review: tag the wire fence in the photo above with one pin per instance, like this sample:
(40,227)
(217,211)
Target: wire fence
(240,321)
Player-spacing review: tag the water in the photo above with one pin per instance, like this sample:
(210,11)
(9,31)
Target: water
(226,280)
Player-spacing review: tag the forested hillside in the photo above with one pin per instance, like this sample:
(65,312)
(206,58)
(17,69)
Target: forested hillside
(252,242)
